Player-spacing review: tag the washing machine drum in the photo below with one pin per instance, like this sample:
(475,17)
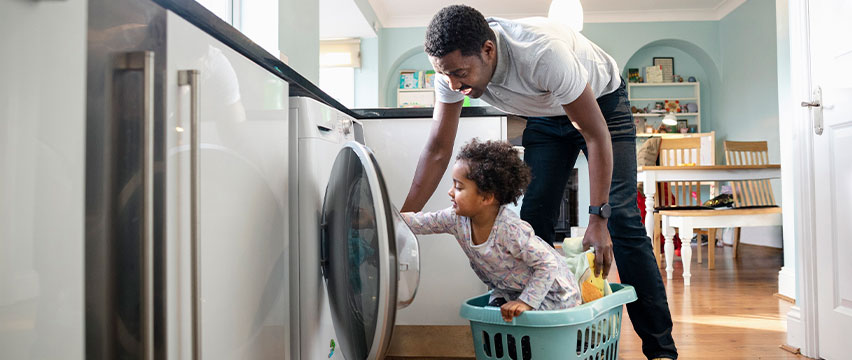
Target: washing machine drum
(371,262)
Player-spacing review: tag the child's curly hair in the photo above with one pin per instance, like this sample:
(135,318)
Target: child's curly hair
(496,168)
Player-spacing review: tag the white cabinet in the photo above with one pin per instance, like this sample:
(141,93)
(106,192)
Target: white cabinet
(446,279)
(643,95)
(42,186)
(243,205)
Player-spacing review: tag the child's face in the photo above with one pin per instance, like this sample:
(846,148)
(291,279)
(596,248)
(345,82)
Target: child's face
(464,194)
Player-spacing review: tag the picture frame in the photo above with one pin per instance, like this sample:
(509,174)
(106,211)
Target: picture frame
(633,75)
(682,124)
(667,64)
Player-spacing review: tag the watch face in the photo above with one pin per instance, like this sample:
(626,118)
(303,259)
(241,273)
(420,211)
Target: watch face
(606,210)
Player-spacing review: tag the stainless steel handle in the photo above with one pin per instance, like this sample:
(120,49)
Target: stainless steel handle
(190,77)
(816,105)
(144,61)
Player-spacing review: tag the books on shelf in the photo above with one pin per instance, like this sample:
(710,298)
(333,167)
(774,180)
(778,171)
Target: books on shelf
(411,79)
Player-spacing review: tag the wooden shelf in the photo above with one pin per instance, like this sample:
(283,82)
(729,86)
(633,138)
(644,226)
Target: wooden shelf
(664,84)
(663,114)
(664,99)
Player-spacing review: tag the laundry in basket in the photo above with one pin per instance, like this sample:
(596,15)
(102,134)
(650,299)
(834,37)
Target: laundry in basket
(582,265)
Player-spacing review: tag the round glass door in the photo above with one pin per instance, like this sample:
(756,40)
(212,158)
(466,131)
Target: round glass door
(361,236)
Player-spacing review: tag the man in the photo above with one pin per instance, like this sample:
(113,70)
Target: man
(574,100)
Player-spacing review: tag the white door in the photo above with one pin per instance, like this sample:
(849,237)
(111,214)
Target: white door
(243,211)
(831,71)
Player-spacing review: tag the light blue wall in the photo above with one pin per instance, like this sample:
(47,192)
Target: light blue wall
(397,45)
(367,76)
(748,106)
(298,39)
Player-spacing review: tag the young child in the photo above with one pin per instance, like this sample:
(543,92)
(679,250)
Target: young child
(524,272)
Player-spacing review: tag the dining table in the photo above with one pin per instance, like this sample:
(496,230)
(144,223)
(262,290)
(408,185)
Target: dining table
(695,173)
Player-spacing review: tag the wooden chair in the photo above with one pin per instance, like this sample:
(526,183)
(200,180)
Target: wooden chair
(754,204)
(677,194)
(752,192)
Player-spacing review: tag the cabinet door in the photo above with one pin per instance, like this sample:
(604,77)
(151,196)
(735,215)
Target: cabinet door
(242,207)
(446,279)
(42,186)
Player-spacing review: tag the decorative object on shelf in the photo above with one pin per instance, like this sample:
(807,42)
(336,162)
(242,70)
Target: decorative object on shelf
(678,78)
(667,66)
(633,75)
(672,106)
(682,126)
(429,79)
(659,106)
(409,79)
(693,128)
(640,125)
(691,79)
(691,107)
(654,74)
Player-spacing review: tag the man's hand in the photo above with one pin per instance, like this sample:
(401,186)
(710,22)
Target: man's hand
(513,308)
(597,236)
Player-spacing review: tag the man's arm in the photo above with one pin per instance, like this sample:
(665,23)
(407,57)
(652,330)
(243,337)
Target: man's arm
(435,156)
(586,116)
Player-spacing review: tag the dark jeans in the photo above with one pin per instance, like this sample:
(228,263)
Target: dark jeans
(551,146)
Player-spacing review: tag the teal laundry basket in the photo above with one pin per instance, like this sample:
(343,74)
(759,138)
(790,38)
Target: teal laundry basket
(588,331)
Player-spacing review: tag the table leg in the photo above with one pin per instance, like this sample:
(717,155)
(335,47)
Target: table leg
(686,252)
(669,247)
(711,249)
(649,189)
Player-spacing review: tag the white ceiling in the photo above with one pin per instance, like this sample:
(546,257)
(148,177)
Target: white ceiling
(417,13)
(342,18)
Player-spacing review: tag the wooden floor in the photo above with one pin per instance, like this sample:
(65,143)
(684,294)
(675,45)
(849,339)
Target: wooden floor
(727,313)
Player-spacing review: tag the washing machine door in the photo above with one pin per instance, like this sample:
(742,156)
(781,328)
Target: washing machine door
(370,257)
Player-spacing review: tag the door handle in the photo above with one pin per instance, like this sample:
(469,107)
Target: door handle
(190,78)
(816,106)
(144,61)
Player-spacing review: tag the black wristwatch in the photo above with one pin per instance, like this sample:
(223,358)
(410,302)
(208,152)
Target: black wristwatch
(603,211)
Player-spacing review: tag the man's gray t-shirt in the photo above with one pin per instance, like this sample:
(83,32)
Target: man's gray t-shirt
(541,65)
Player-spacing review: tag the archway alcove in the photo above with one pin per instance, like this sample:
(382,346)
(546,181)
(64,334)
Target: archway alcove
(689,60)
(412,59)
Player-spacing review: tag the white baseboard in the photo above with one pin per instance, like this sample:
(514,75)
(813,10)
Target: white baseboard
(795,328)
(787,282)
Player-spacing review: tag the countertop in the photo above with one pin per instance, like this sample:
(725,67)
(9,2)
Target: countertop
(208,22)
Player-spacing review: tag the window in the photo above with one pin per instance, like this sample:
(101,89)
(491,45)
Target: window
(257,19)
(338,60)
(339,82)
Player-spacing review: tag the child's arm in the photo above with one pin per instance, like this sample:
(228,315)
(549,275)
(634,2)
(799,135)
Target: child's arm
(443,221)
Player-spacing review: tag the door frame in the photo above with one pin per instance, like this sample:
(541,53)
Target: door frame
(802,319)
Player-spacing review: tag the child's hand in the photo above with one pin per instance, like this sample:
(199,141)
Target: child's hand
(513,308)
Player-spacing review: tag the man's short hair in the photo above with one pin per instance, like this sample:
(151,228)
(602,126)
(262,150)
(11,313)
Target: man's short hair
(457,27)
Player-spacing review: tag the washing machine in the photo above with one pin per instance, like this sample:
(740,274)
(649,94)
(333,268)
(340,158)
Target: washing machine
(354,262)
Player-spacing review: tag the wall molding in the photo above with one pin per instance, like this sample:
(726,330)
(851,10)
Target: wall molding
(716,13)
(787,282)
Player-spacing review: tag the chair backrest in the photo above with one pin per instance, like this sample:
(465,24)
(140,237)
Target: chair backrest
(749,192)
(678,152)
